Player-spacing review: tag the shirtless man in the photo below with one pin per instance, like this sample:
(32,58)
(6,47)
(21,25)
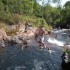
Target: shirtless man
(41,33)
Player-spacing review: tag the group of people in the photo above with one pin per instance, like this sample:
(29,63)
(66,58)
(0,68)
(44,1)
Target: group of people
(26,25)
(39,34)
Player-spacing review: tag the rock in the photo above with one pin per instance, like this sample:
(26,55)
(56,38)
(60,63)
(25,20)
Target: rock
(66,66)
(65,61)
(2,43)
(67,46)
(3,37)
(14,40)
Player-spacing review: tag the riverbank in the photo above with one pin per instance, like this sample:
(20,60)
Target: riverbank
(15,34)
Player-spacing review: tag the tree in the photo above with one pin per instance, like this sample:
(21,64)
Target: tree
(51,15)
(58,2)
(66,13)
(28,6)
(37,9)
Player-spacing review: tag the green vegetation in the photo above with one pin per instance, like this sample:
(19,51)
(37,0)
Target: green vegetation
(11,11)
(67,50)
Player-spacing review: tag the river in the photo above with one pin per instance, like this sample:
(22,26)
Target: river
(12,57)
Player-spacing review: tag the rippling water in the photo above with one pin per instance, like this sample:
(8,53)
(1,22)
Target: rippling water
(13,57)
(32,58)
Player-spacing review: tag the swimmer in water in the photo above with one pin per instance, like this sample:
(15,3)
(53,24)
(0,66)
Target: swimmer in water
(50,51)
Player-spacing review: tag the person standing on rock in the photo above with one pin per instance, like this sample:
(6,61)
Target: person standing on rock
(26,26)
(19,25)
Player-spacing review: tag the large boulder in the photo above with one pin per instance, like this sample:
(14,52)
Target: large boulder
(3,34)
(66,66)
(3,37)
(2,43)
(15,39)
(65,61)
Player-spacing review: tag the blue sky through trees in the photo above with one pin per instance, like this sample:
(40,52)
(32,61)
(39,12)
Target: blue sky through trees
(53,4)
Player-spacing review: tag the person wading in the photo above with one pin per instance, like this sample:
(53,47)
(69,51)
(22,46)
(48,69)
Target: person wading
(41,33)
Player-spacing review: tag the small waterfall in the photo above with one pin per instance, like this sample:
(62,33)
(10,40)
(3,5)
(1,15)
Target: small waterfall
(55,41)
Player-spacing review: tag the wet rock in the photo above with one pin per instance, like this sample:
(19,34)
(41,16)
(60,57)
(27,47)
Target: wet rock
(3,34)
(66,66)
(3,37)
(65,63)
(2,43)
(15,40)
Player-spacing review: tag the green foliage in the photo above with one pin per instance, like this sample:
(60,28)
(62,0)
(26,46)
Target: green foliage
(52,15)
(11,11)
(37,9)
(28,6)
(3,25)
(66,13)
(68,51)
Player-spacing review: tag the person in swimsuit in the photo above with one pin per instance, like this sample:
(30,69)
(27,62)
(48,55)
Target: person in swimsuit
(41,33)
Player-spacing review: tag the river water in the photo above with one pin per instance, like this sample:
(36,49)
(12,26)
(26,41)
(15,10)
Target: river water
(12,57)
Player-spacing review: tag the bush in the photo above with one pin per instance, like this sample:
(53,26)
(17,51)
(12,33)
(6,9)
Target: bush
(11,19)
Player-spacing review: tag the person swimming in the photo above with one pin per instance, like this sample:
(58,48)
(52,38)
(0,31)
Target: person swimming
(50,51)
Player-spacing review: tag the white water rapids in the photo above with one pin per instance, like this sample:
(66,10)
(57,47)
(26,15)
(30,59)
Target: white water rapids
(55,41)
(61,39)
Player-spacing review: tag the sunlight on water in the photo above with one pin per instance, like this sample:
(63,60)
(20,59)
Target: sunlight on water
(17,68)
(54,41)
